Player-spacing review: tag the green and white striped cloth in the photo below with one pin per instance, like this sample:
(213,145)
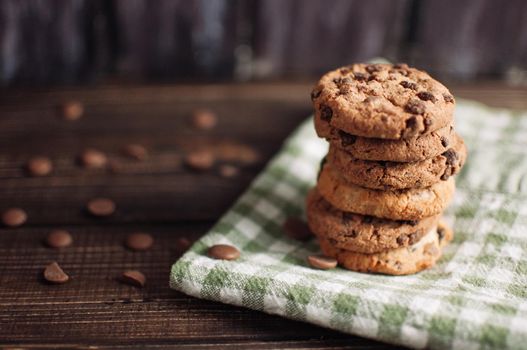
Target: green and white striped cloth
(474,298)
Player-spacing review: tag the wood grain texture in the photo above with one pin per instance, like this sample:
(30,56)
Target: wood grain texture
(159,196)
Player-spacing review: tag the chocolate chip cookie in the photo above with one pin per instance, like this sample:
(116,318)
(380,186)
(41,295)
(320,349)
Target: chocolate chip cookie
(399,261)
(409,204)
(382,175)
(382,101)
(406,150)
(360,233)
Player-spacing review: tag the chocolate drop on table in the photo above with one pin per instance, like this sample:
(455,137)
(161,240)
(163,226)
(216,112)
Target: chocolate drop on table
(134,278)
(59,239)
(101,207)
(14,217)
(53,273)
(139,241)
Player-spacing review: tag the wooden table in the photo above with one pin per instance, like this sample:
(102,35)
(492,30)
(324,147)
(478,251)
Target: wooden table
(160,196)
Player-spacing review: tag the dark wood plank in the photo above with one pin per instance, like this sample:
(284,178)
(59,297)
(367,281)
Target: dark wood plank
(160,196)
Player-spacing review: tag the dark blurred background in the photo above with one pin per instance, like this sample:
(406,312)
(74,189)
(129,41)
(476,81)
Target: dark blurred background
(81,41)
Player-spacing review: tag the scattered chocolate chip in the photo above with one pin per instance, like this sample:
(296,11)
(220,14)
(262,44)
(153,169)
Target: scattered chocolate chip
(135,151)
(411,126)
(315,93)
(325,113)
(448,98)
(223,252)
(408,85)
(346,139)
(342,80)
(345,70)
(440,233)
(59,239)
(297,229)
(444,141)
(200,160)
(322,262)
(204,119)
(101,207)
(72,110)
(445,176)
(14,217)
(373,77)
(359,76)
(228,171)
(400,66)
(371,68)
(133,278)
(139,241)
(53,273)
(427,96)
(39,166)
(415,107)
(182,245)
(93,159)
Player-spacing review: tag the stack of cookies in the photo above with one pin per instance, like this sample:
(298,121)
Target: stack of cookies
(387,177)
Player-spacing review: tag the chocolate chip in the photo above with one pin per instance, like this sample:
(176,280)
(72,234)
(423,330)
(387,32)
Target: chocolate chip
(373,77)
(360,76)
(228,171)
(39,166)
(93,159)
(427,96)
(223,252)
(445,176)
(440,233)
(371,68)
(53,273)
(297,229)
(322,262)
(448,98)
(427,122)
(204,119)
(400,66)
(325,113)
(382,163)
(415,107)
(101,207)
(346,139)
(72,110)
(135,151)
(408,85)
(353,233)
(451,156)
(14,217)
(345,70)
(133,278)
(59,239)
(315,93)
(139,241)
(444,141)
(411,222)
(200,160)
(342,81)
(401,240)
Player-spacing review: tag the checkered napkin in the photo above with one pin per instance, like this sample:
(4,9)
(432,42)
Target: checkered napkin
(474,298)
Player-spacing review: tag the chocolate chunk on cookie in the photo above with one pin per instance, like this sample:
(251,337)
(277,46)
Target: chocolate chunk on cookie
(406,150)
(383,101)
(360,233)
(400,261)
(382,175)
(409,204)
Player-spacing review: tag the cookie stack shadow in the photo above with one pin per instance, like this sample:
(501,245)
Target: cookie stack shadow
(388,174)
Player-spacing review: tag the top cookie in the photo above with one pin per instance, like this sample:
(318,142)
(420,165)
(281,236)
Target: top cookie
(383,101)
